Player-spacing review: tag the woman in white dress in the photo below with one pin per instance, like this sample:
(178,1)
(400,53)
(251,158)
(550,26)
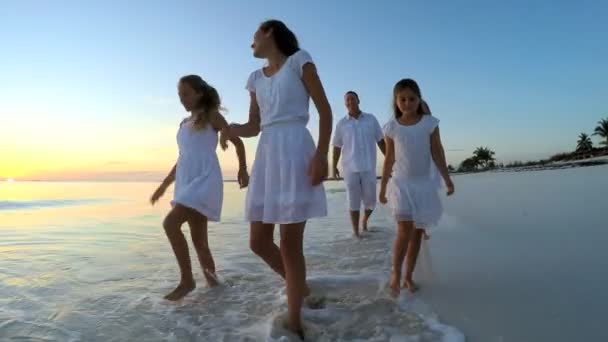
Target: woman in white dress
(413,143)
(198,190)
(288,170)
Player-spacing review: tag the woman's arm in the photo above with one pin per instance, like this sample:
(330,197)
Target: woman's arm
(227,133)
(313,84)
(318,167)
(252,127)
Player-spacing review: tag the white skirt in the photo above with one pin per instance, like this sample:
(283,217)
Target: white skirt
(280,190)
(415,200)
(199,186)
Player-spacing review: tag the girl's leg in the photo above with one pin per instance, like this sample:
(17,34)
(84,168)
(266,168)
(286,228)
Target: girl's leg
(261,242)
(292,252)
(412,255)
(198,232)
(173,224)
(404,229)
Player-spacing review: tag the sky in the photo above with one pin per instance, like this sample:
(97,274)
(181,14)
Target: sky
(88,88)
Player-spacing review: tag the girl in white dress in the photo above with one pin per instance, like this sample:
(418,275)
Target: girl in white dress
(412,144)
(288,170)
(198,180)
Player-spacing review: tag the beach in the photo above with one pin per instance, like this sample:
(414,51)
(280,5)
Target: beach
(516,257)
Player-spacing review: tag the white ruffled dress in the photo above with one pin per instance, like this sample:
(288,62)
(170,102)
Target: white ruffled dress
(198,176)
(280,190)
(413,190)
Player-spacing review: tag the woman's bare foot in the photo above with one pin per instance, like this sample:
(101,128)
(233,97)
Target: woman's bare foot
(181,290)
(211,278)
(394,285)
(409,284)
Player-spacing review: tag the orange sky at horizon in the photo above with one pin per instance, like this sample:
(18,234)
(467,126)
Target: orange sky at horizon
(90,150)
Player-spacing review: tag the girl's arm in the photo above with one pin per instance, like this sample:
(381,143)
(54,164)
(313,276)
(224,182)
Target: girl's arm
(438,154)
(389,161)
(252,127)
(312,82)
(163,186)
(219,123)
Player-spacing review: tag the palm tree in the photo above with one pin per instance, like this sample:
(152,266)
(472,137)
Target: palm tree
(602,131)
(584,143)
(469,164)
(484,156)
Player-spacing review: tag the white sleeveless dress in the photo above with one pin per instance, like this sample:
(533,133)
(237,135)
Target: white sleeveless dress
(280,190)
(198,177)
(413,190)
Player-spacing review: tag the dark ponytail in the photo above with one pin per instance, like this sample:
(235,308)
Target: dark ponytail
(284,38)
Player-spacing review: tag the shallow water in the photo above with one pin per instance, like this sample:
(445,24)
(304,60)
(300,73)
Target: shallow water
(517,257)
(90,262)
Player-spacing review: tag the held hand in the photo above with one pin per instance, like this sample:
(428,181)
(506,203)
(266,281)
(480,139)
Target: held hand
(317,170)
(158,194)
(224,137)
(450,187)
(243,178)
(382,196)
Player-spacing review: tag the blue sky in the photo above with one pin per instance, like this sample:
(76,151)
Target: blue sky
(88,87)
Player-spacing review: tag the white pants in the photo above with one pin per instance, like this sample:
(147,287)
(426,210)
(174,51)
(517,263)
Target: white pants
(361,189)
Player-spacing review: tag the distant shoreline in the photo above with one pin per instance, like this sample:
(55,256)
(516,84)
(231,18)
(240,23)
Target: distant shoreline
(544,167)
(598,161)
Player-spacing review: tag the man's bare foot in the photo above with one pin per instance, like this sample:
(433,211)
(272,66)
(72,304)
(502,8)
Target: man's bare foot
(364,224)
(410,285)
(394,285)
(211,278)
(181,290)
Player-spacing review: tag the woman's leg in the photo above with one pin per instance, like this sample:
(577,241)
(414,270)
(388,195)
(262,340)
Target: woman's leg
(292,252)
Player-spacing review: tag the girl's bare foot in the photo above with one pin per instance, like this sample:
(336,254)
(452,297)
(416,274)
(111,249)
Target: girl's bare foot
(306,290)
(298,331)
(394,285)
(181,290)
(211,278)
(409,284)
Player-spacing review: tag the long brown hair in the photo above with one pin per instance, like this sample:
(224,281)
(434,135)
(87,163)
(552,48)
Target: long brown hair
(407,83)
(209,103)
(284,38)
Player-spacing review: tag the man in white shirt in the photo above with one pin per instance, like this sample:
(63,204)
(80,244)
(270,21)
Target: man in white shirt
(355,138)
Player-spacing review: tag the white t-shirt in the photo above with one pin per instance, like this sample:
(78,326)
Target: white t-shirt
(358,138)
(412,147)
(283,96)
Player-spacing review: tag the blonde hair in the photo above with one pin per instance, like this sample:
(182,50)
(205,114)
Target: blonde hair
(209,102)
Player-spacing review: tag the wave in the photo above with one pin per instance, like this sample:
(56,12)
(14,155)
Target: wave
(40,204)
